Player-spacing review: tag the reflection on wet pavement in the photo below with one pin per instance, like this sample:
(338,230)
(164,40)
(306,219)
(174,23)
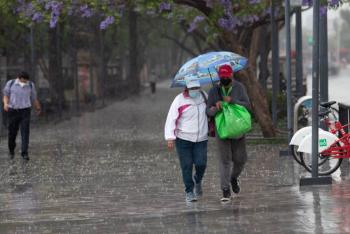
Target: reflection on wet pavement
(110,172)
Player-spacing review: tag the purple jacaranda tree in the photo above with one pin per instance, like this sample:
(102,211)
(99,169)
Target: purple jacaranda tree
(236,24)
(239,26)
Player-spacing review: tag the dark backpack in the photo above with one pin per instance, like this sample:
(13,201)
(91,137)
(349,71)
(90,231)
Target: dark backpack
(211,120)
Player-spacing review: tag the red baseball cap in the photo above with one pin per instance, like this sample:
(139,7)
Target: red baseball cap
(225,71)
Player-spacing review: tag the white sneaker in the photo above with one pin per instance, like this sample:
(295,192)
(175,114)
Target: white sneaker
(190,197)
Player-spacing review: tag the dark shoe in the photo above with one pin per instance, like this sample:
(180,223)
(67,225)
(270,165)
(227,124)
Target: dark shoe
(25,157)
(235,185)
(226,195)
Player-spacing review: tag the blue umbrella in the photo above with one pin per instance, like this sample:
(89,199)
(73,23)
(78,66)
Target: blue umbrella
(190,68)
(205,66)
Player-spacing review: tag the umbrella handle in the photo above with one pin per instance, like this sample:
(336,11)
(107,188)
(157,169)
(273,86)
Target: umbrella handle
(212,82)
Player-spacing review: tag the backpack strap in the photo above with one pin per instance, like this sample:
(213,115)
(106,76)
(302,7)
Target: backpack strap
(13,81)
(205,97)
(218,90)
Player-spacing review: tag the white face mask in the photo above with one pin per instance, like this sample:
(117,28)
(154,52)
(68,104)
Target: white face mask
(22,84)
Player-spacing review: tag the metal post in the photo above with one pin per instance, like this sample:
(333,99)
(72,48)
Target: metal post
(315,87)
(315,102)
(288,71)
(323,58)
(323,62)
(275,62)
(299,52)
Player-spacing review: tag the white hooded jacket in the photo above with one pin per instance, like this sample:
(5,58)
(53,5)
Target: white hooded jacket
(187,119)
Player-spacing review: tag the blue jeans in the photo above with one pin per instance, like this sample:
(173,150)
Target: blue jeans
(192,153)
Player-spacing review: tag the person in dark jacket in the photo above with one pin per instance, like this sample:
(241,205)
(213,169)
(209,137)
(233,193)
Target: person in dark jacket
(232,152)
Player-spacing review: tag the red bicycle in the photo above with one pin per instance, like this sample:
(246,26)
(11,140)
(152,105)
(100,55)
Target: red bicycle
(330,159)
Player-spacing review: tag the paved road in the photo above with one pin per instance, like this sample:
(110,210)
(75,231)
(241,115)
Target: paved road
(110,172)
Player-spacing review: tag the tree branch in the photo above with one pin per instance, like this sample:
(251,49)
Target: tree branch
(198,4)
(180,44)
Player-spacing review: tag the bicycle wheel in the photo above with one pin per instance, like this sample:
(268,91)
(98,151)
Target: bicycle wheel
(296,154)
(326,164)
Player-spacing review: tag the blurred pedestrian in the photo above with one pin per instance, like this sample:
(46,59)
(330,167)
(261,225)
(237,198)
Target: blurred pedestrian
(153,81)
(19,95)
(186,128)
(232,152)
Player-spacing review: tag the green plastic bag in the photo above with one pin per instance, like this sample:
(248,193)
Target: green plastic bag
(233,121)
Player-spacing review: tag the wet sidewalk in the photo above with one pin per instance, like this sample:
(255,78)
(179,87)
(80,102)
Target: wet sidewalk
(110,172)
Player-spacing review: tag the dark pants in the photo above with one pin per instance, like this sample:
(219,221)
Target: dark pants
(18,119)
(192,153)
(153,87)
(232,158)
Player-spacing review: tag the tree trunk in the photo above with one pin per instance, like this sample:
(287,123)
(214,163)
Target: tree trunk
(264,49)
(134,78)
(248,77)
(55,69)
(258,101)
(101,66)
(246,43)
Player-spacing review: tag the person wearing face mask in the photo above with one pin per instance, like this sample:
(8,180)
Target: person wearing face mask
(19,96)
(232,152)
(186,129)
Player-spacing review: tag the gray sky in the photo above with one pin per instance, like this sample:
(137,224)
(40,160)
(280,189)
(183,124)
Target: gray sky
(333,15)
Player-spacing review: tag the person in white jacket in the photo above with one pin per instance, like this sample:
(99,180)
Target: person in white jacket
(186,128)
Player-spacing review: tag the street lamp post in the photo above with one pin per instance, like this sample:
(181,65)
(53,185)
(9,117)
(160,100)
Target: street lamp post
(288,71)
(323,58)
(315,101)
(315,87)
(299,52)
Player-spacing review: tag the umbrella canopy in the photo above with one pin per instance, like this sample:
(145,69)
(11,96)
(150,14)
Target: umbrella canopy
(205,66)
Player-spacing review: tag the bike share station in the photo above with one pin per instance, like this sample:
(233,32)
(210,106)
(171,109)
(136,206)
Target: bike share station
(312,140)
(330,147)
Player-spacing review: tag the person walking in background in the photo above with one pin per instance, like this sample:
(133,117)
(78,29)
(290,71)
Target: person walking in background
(19,95)
(153,81)
(186,128)
(232,152)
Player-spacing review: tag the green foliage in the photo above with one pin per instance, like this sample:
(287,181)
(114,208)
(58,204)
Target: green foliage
(10,30)
(281,102)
